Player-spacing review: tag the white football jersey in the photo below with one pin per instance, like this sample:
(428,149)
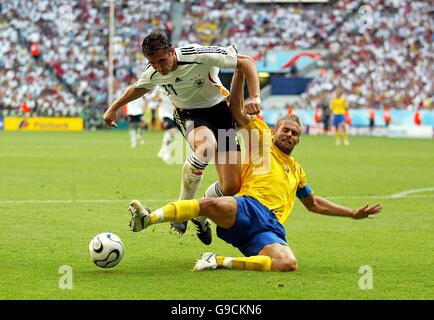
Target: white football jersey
(136,107)
(195,82)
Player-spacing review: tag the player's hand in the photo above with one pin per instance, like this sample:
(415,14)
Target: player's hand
(253,106)
(366,211)
(110,117)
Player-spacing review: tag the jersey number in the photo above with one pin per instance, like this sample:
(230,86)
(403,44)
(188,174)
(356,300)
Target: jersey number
(169,89)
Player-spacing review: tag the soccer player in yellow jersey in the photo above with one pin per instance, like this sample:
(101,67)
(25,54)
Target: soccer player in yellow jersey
(252,220)
(338,105)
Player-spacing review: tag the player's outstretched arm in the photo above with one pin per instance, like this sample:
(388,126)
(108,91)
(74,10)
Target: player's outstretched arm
(236,101)
(130,94)
(248,66)
(323,206)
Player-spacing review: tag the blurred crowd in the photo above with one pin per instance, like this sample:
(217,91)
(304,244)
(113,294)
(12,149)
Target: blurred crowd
(54,53)
(261,26)
(63,47)
(387,64)
(25,84)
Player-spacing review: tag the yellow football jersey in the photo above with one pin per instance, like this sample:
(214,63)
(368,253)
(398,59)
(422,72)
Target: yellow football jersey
(338,105)
(269,175)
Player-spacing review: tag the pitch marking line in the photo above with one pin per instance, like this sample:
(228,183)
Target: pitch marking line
(405,193)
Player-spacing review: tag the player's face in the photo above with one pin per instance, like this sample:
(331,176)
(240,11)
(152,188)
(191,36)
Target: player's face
(162,61)
(287,136)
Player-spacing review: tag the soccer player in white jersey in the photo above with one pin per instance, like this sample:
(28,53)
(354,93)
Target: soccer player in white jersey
(153,101)
(135,110)
(189,76)
(165,115)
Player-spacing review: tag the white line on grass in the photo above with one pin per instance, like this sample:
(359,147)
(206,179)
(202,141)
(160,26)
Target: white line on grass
(405,193)
(390,197)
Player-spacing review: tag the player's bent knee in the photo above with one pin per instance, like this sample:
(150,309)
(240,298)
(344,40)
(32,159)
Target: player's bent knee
(230,189)
(290,265)
(285,265)
(209,205)
(220,210)
(205,151)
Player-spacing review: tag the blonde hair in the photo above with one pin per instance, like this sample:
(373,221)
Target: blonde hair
(292,117)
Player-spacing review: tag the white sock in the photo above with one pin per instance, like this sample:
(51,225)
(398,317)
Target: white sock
(133,137)
(139,134)
(192,174)
(167,137)
(214,191)
(201,219)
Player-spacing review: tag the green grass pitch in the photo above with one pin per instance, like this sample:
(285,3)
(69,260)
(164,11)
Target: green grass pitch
(57,190)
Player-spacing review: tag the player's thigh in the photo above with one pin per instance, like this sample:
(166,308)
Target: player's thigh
(228,168)
(203,141)
(221,210)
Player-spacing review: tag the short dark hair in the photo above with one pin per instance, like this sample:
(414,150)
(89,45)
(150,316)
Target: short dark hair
(155,41)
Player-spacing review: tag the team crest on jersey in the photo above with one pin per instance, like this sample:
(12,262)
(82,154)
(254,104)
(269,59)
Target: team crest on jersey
(199,83)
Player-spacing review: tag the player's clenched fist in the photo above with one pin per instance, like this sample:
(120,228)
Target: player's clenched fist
(253,106)
(110,117)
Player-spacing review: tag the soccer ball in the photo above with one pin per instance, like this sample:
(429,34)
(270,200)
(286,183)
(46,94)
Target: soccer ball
(106,250)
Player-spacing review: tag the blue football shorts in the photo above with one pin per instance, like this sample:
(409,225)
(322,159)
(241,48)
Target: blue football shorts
(255,227)
(338,119)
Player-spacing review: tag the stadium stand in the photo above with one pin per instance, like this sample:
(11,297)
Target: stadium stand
(388,65)
(53,59)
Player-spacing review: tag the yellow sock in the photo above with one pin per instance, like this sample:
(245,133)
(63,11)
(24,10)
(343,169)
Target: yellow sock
(345,136)
(181,210)
(253,263)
